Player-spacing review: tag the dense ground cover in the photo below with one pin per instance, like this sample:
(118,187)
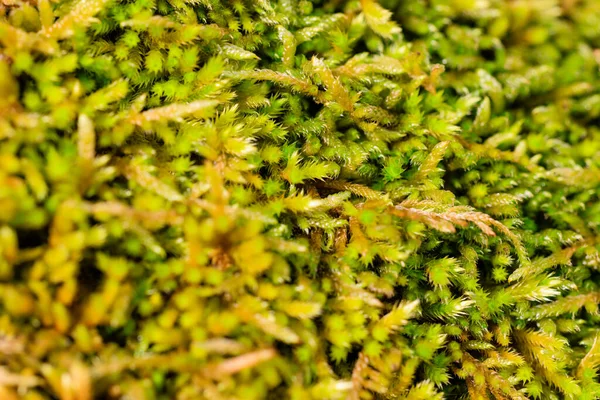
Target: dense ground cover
(235,199)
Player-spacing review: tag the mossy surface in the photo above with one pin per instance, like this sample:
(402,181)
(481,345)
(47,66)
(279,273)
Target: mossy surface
(236,199)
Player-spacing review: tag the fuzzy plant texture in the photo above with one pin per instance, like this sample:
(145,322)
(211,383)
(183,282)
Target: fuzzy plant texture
(293,199)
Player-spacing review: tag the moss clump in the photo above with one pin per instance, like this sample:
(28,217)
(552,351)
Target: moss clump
(206,199)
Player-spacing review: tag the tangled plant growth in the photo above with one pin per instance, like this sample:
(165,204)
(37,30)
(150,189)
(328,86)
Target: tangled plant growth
(235,199)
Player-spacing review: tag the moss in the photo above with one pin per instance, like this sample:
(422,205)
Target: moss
(305,200)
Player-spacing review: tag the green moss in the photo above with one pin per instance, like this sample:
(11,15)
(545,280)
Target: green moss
(304,200)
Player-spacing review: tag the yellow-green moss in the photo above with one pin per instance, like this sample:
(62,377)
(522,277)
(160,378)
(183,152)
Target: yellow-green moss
(231,199)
